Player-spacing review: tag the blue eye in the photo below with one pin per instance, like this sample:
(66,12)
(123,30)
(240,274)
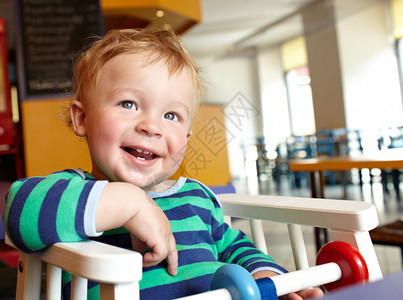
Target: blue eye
(171,116)
(128,105)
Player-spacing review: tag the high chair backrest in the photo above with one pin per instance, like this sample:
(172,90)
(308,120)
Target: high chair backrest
(119,270)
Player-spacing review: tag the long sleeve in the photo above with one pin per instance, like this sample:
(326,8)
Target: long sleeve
(235,247)
(41,211)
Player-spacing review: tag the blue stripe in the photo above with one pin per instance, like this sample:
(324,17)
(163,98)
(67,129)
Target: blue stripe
(121,240)
(191,256)
(47,215)
(187,257)
(218,232)
(204,214)
(187,211)
(14,215)
(82,201)
(248,252)
(66,291)
(193,237)
(228,251)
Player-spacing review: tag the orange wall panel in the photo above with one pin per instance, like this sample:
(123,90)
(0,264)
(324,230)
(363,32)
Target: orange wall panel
(49,145)
(206,157)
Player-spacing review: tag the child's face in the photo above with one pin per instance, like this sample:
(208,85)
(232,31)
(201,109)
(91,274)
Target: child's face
(136,120)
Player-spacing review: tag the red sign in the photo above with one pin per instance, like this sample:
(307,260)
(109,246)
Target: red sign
(6,123)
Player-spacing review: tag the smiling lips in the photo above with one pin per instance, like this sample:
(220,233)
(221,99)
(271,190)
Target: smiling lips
(141,154)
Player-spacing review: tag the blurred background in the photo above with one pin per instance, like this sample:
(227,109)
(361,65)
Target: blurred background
(285,80)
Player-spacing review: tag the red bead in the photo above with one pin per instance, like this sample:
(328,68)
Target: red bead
(353,266)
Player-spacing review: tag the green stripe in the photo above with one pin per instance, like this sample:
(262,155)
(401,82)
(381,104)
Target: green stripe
(30,214)
(156,277)
(234,254)
(195,185)
(228,238)
(65,220)
(173,202)
(246,258)
(93,293)
(189,186)
(63,175)
(189,224)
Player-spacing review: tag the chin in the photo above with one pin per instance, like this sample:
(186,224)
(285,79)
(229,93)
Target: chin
(145,181)
(141,183)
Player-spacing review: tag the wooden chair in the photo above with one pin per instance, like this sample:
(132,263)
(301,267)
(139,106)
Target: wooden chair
(119,270)
(390,234)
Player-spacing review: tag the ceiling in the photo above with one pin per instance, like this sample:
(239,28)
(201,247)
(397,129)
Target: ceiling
(225,23)
(228,26)
(231,25)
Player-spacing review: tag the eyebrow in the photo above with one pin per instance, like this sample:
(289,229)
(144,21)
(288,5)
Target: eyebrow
(180,104)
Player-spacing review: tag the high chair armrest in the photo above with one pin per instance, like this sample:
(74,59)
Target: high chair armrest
(335,214)
(348,221)
(94,260)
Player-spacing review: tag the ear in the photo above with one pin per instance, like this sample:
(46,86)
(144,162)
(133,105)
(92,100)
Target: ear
(77,113)
(188,135)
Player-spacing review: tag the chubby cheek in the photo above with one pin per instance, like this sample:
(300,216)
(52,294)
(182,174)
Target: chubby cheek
(104,136)
(178,148)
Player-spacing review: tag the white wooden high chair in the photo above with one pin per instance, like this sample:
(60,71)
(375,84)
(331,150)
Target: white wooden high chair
(119,270)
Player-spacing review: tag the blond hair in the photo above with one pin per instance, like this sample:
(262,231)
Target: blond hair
(159,45)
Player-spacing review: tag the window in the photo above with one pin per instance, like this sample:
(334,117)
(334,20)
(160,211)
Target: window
(300,105)
(400,59)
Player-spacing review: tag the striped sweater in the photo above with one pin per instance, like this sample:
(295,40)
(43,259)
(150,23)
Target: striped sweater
(41,211)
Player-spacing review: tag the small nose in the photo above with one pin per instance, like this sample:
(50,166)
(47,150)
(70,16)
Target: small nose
(149,126)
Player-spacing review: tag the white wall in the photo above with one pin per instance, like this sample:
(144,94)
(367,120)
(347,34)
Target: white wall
(234,83)
(369,70)
(273,96)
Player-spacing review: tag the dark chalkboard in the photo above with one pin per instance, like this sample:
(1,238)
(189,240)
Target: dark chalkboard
(50,34)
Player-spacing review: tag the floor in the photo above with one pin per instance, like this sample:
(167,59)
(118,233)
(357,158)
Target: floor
(389,209)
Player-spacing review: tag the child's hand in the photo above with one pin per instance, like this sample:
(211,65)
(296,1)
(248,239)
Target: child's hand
(304,294)
(123,204)
(151,228)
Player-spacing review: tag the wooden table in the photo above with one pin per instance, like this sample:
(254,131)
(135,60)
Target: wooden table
(385,159)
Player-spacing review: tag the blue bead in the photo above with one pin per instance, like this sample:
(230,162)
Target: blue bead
(237,281)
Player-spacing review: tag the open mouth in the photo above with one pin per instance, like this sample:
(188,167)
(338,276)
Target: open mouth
(140,153)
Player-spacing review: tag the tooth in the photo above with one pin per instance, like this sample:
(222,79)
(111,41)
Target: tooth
(141,158)
(139,150)
(146,152)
